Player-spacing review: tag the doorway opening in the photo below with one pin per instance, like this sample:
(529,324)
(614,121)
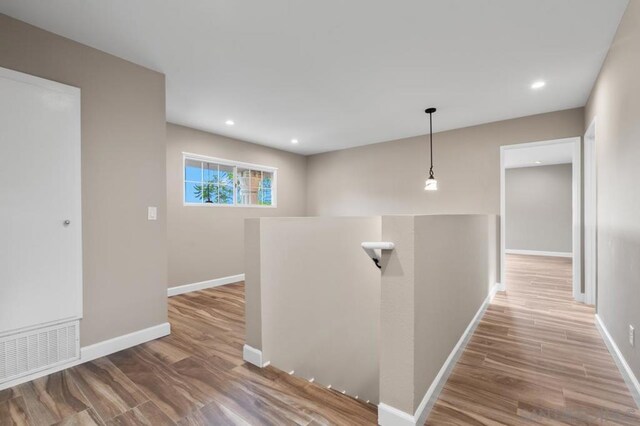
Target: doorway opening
(540,204)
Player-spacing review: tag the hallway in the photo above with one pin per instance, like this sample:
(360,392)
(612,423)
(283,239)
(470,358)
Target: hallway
(536,358)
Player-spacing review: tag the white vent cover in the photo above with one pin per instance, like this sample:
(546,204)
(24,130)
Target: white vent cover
(31,351)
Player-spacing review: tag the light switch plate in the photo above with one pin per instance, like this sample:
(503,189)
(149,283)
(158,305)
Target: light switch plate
(152,213)
(632,337)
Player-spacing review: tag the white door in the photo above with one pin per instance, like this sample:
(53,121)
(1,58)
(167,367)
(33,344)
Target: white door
(40,217)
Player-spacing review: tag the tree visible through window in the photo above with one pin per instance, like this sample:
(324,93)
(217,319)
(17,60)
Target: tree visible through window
(222,182)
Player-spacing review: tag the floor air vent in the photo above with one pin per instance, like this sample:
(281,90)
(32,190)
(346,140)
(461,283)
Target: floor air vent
(31,351)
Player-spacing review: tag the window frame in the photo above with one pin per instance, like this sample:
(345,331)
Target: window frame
(236,165)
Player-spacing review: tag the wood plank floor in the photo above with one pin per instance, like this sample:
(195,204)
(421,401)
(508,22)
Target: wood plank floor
(536,358)
(195,376)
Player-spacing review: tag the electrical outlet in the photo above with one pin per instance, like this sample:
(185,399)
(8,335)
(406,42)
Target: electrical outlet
(152,213)
(632,337)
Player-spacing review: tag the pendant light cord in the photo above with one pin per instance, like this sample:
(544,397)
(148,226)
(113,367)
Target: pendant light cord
(431,144)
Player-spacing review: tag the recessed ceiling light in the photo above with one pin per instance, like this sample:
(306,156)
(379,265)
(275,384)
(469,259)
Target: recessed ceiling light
(538,162)
(229,122)
(294,141)
(538,85)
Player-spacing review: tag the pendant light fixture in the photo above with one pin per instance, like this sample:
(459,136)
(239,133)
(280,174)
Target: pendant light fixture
(431,184)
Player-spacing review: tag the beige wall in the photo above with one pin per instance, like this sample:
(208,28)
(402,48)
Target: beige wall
(388,178)
(615,104)
(452,282)
(253,283)
(397,314)
(123,172)
(206,242)
(433,283)
(539,208)
(313,299)
(384,178)
(316,304)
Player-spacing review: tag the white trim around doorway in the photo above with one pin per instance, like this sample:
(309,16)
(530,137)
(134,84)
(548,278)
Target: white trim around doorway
(577,209)
(590,215)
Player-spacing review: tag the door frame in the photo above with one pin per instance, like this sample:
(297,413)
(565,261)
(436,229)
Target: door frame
(590,215)
(576,209)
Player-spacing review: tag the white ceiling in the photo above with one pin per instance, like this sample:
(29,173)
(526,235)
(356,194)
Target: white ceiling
(335,74)
(560,152)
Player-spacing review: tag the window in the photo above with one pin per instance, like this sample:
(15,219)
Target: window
(217,182)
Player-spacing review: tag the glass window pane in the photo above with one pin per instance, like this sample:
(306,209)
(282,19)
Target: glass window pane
(241,195)
(256,180)
(209,182)
(225,194)
(210,192)
(225,175)
(212,195)
(192,171)
(210,172)
(190,193)
(204,192)
(267,179)
(265,197)
(244,186)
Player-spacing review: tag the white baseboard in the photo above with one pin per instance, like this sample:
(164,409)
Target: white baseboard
(621,362)
(390,416)
(253,356)
(187,288)
(125,341)
(539,253)
(97,350)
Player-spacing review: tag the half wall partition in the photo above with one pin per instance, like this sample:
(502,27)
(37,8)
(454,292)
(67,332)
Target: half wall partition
(319,308)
